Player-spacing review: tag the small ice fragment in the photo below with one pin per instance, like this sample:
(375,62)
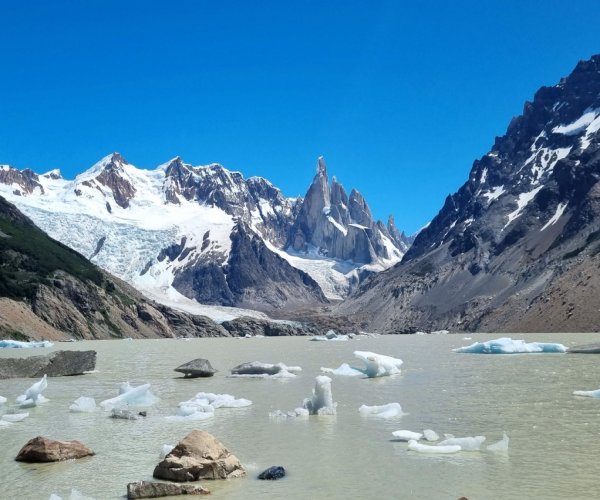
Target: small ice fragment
(330,336)
(506,345)
(501,445)
(466,443)
(203,399)
(33,395)
(128,395)
(383,411)
(448,436)
(4,423)
(588,394)
(376,365)
(425,448)
(321,402)
(263,370)
(83,404)
(165,450)
(344,369)
(75,495)
(15,417)
(407,435)
(430,435)
(2,400)
(17,344)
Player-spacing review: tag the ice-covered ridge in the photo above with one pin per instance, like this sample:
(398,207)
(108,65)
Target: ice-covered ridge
(578,125)
(506,345)
(494,193)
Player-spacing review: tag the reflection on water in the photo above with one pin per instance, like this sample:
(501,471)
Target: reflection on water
(553,434)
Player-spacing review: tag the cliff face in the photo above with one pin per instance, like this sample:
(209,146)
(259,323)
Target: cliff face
(519,234)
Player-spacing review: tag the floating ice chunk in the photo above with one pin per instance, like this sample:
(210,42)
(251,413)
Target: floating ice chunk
(263,370)
(407,435)
(589,394)
(501,445)
(165,450)
(2,400)
(83,405)
(383,411)
(33,395)
(298,412)
(330,336)
(4,423)
(376,365)
(75,495)
(205,399)
(321,402)
(426,448)
(506,345)
(430,435)
(465,443)
(128,395)
(15,417)
(344,369)
(188,413)
(16,344)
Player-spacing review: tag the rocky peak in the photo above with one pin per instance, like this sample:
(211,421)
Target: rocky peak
(24,181)
(359,210)
(54,174)
(112,176)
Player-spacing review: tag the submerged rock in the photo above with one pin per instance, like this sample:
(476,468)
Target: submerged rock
(585,349)
(122,414)
(56,364)
(197,368)
(153,489)
(272,473)
(199,455)
(41,449)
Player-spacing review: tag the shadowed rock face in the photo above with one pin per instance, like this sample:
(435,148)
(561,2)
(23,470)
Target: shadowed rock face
(41,449)
(199,455)
(500,247)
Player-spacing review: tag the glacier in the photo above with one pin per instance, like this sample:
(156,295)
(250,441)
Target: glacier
(506,345)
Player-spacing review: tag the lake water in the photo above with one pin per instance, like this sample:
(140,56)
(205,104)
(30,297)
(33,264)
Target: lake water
(554,436)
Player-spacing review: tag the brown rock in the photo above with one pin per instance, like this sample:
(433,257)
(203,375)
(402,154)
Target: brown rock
(151,489)
(41,449)
(199,455)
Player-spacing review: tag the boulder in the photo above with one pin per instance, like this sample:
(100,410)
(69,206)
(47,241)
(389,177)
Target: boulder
(585,349)
(272,473)
(197,368)
(199,455)
(152,489)
(55,364)
(41,449)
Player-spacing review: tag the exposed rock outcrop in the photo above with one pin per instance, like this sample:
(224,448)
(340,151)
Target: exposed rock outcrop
(56,364)
(272,473)
(199,455)
(245,326)
(153,489)
(42,449)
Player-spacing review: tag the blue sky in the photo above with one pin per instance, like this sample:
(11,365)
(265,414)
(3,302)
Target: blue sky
(400,97)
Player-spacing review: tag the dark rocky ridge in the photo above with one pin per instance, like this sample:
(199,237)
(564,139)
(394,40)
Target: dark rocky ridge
(497,255)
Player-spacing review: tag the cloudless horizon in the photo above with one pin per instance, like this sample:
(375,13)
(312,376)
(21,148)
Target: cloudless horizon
(400,98)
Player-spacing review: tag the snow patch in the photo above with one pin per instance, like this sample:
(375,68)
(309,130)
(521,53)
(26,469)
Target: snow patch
(560,209)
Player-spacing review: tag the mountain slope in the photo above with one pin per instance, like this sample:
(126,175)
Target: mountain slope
(49,291)
(501,247)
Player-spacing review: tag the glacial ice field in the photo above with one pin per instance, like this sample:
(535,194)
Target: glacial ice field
(551,452)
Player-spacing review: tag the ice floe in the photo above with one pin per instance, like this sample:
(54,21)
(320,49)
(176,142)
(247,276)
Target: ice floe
(83,404)
(501,445)
(588,394)
(404,435)
(430,435)
(506,345)
(376,365)
(33,395)
(330,336)
(466,443)
(389,410)
(426,448)
(257,369)
(4,423)
(129,395)
(14,417)
(203,405)
(17,344)
(321,402)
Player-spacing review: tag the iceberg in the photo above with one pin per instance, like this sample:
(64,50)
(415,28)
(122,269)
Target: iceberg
(17,344)
(263,370)
(203,405)
(506,345)
(2,400)
(465,443)
(330,336)
(128,395)
(501,445)
(33,395)
(405,435)
(426,448)
(589,394)
(321,402)
(430,435)
(376,365)
(83,405)
(15,417)
(384,411)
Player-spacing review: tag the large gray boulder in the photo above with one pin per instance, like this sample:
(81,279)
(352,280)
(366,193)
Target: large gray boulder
(199,455)
(153,489)
(196,368)
(41,449)
(55,364)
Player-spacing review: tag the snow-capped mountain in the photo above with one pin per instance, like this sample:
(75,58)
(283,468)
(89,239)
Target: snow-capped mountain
(207,234)
(528,215)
